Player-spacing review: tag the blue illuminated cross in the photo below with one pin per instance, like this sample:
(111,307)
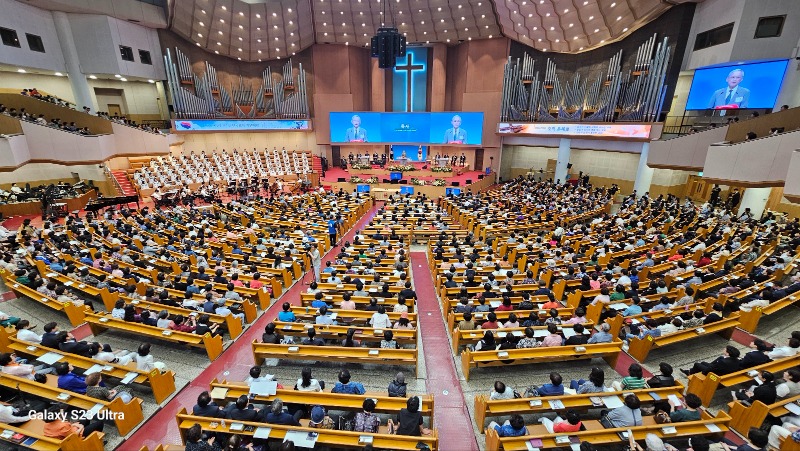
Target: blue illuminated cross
(409,68)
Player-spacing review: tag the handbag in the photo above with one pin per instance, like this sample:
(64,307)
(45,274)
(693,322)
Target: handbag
(662,417)
(606,422)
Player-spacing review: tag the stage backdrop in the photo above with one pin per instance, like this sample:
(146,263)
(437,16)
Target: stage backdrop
(418,128)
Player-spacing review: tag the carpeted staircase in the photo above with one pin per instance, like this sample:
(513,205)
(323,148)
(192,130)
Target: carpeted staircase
(124,183)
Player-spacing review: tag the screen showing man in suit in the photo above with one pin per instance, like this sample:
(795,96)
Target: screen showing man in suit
(747,84)
(456,134)
(356,133)
(733,95)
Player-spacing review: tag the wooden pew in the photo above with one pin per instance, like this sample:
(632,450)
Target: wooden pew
(35,428)
(705,386)
(348,316)
(472,337)
(597,435)
(338,332)
(744,417)
(608,351)
(262,351)
(749,320)
(162,384)
(125,416)
(23,291)
(503,407)
(330,437)
(640,348)
(211,344)
(337,401)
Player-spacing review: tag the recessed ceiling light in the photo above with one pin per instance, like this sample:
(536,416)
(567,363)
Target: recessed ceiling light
(580,48)
(439,8)
(241,13)
(466,29)
(258,28)
(22,71)
(529,15)
(591,17)
(277,49)
(291,34)
(596,30)
(448,40)
(59,74)
(93,77)
(624,30)
(201,24)
(540,39)
(224,8)
(548,14)
(216,51)
(117,76)
(566,11)
(259,60)
(199,35)
(259,51)
(220,32)
(490,36)
(259,40)
(347,43)
(441,20)
(487,26)
(603,41)
(123,79)
(258,16)
(292,44)
(462,17)
(558,40)
(619,17)
(222,20)
(423,22)
(613,5)
(239,58)
(151,81)
(544,50)
(343,24)
(240,38)
(570,25)
(276,38)
(585,3)
(241,27)
(325,34)
(424,32)
(219,43)
(552,28)
(290,10)
(274,15)
(240,49)
(203,11)
(291,23)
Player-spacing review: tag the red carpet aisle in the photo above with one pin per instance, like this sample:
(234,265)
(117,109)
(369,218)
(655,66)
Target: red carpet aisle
(452,417)
(233,364)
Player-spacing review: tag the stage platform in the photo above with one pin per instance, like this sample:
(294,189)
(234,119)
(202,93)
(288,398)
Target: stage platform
(477,180)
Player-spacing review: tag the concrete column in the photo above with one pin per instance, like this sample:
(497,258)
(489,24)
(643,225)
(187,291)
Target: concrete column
(755,199)
(77,79)
(644,173)
(562,160)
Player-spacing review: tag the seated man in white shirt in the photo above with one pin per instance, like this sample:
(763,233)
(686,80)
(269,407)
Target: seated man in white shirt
(25,333)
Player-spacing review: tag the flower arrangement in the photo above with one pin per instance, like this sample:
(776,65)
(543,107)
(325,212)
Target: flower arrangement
(442,169)
(417,182)
(402,168)
(356,179)
(361,166)
(439,182)
(372,180)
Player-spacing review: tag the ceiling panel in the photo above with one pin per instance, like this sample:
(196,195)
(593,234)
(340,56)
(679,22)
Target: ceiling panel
(270,29)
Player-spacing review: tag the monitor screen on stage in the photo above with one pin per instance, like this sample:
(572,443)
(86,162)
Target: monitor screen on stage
(410,153)
(753,84)
(406,190)
(395,176)
(453,128)
(452,191)
(362,188)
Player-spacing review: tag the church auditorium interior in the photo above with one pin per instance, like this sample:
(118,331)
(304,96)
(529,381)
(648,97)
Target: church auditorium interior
(456,225)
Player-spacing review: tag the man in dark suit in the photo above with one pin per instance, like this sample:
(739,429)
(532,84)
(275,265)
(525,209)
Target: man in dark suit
(206,408)
(241,411)
(407,292)
(665,379)
(727,363)
(757,356)
(49,336)
(68,344)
